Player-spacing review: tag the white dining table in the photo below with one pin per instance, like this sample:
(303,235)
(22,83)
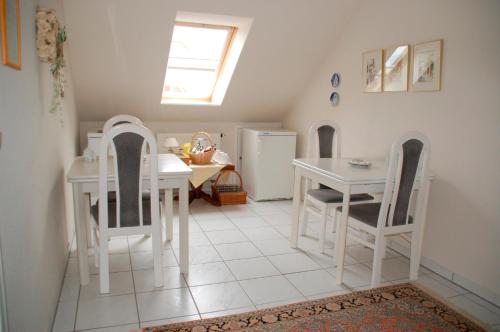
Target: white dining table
(172,173)
(338,174)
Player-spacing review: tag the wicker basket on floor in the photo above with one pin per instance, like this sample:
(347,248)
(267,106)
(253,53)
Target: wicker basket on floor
(228,194)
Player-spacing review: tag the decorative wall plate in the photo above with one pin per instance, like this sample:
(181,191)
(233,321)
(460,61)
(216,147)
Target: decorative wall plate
(334,98)
(335,80)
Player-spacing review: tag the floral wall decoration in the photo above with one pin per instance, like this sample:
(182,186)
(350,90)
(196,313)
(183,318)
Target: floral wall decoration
(49,42)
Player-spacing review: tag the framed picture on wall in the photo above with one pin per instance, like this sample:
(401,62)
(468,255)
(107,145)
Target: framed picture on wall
(427,60)
(396,68)
(372,71)
(10,25)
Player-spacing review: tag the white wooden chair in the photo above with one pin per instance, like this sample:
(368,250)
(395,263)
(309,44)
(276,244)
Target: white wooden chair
(399,213)
(120,119)
(323,141)
(129,213)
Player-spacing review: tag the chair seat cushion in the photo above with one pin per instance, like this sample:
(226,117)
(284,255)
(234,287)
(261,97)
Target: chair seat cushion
(367,213)
(146,212)
(334,196)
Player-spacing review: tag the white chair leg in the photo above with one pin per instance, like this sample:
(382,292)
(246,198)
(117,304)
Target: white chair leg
(384,247)
(104,264)
(322,234)
(414,256)
(169,214)
(334,219)
(96,248)
(337,232)
(304,219)
(157,255)
(377,260)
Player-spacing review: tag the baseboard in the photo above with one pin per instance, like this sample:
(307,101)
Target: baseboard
(454,277)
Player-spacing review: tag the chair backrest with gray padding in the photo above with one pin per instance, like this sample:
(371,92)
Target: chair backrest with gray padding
(129,141)
(407,165)
(323,141)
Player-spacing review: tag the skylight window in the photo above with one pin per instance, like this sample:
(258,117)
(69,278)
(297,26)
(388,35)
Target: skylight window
(203,54)
(196,56)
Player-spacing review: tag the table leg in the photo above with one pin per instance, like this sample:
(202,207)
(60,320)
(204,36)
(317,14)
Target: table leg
(79,205)
(169,216)
(184,227)
(294,234)
(342,236)
(88,222)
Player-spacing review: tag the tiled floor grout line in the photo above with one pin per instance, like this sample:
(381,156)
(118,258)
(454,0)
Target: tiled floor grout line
(458,295)
(54,317)
(224,261)
(238,281)
(439,281)
(191,293)
(239,284)
(440,278)
(281,274)
(234,276)
(133,282)
(192,297)
(134,292)
(77,305)
(79,291)
(187,284)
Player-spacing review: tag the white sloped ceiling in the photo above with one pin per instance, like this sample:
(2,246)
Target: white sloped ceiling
(118,51)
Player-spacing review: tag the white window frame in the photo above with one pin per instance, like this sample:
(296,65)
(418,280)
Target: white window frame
(240,28)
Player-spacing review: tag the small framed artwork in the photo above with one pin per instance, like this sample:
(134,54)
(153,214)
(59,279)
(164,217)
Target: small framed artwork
(372,71)
(10,24)
(335,80)
(334,98)
(427,60)
(396,68)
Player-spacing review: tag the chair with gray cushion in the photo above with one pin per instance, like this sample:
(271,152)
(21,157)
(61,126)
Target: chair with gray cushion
(123,208)
(399,213)
(324,142)
(110,123)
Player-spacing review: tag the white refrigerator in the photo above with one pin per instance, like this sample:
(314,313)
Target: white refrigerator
(267,156)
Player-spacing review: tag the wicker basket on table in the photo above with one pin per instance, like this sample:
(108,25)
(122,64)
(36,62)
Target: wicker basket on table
(228,194)
(202,158)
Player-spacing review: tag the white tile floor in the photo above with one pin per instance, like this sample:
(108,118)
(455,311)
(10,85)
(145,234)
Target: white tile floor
(240,260)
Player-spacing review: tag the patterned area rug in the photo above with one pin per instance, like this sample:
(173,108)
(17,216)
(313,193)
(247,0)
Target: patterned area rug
(403,307)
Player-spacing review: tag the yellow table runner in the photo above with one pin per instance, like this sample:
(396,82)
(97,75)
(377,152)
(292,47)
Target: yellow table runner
(202,173)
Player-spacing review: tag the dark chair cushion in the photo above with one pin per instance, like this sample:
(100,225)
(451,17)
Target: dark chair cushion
(145,195)
(146,213)
(367,213)
(334,196)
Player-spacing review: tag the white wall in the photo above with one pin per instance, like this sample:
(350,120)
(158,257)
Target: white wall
(35,155)
(462,121)
(227,128)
